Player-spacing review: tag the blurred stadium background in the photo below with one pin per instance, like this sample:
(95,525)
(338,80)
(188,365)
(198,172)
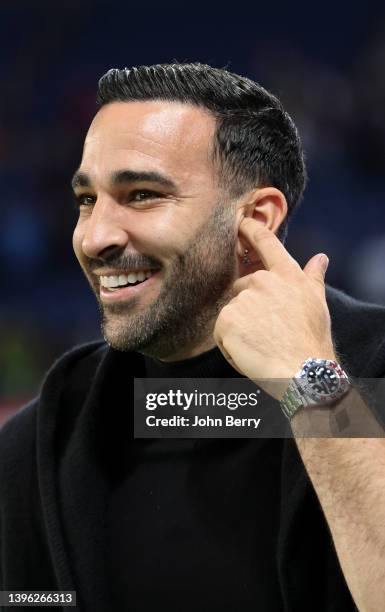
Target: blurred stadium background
(325,60)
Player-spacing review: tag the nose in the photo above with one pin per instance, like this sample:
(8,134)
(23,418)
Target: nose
(104,228)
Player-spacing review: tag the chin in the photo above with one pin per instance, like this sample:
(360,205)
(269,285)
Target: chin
(116,334)
(117,343)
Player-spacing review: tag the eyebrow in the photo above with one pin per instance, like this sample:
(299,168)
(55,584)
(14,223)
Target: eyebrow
(120,177)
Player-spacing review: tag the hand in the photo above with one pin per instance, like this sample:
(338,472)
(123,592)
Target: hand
(279,316)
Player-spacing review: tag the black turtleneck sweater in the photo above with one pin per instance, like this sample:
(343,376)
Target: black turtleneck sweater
(193,524)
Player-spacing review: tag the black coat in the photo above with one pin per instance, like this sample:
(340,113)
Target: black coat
(53,488)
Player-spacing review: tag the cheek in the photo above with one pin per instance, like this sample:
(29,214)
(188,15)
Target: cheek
(175,229)
(162,233)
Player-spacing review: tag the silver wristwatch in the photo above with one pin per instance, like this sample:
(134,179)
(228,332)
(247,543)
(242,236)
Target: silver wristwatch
(319,382)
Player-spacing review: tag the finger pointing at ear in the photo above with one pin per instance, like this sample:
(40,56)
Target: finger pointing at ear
(266,245)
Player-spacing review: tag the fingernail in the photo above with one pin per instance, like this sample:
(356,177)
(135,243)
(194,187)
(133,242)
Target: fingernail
(324,261)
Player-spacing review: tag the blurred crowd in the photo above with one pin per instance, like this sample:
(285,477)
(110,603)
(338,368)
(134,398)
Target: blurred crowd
(46,305)
(341,118)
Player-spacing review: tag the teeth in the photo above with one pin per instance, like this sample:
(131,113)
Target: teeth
(113,282)
(132,277)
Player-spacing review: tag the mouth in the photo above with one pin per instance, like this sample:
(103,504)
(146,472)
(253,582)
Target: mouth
(128,286)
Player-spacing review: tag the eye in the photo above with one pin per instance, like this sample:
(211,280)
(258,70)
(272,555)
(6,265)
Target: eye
(144,194)
(84,199)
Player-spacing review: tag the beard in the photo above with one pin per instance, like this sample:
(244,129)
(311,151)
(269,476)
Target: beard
(192,294)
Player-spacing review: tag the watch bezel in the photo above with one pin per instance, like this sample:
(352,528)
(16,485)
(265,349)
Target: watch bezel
(307,388)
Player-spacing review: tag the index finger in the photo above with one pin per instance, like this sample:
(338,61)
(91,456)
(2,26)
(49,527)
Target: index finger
(266,244)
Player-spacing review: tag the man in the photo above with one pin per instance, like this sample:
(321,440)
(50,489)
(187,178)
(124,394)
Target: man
(188,175)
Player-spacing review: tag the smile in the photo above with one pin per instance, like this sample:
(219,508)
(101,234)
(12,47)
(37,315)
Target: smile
(126,285)
(113,283)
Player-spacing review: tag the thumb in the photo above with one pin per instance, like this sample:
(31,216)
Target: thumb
(316,268)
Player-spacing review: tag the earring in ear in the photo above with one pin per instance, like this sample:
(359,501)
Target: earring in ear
(246,261)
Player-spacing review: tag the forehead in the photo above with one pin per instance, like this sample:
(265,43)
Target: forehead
(169,136)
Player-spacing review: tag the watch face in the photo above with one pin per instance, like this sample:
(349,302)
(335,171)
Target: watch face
(322,379)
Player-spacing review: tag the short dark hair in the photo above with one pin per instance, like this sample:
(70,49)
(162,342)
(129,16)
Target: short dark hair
(256,142)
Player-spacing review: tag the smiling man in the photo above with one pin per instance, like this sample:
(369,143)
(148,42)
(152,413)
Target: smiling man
(188,177)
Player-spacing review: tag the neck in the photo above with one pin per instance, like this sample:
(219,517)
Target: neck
(186,352)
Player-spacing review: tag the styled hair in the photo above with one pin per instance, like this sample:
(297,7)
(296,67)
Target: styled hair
(255,144)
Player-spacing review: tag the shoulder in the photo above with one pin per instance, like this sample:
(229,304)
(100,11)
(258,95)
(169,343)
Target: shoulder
(18,434)
(359,333)
(364,313)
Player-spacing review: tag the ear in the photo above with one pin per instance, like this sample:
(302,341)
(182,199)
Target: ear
(268,206)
